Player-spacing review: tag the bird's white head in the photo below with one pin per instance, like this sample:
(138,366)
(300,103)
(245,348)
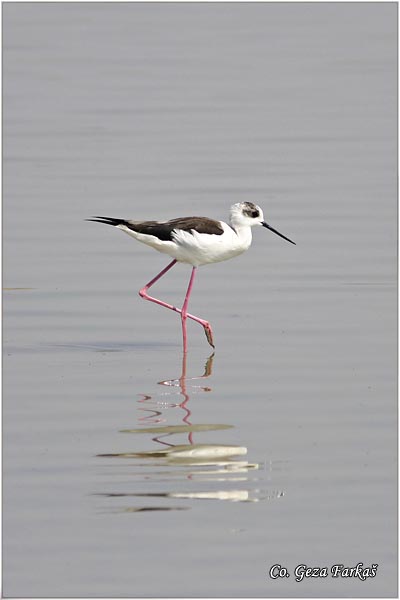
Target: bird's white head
(247,214)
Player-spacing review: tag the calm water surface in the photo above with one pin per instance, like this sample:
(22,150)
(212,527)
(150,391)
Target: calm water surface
(128,471)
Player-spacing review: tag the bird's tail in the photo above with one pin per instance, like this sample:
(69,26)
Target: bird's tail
(108,221)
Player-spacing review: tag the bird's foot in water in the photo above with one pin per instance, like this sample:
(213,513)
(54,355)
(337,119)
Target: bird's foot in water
(209,334)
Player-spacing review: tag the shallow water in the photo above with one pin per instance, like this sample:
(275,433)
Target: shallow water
(128,471)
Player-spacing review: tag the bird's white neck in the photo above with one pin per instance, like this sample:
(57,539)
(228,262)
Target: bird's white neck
(243,233)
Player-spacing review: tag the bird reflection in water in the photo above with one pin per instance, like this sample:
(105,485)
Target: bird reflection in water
(181,383)
(198,463)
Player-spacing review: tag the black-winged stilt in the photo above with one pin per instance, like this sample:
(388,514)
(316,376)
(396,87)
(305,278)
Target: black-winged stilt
(196,241)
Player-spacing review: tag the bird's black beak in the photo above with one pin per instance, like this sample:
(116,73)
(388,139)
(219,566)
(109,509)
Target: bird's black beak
(264,224)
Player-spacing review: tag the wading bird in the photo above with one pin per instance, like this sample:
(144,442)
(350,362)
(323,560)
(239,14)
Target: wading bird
(196,241)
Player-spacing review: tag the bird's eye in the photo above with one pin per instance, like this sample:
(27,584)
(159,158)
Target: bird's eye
(255,214)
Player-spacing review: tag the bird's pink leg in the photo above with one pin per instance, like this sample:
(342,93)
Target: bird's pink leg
(143,294)
(185,315)
(184,309)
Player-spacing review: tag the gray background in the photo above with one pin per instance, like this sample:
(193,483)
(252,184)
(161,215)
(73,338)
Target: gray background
(152,111)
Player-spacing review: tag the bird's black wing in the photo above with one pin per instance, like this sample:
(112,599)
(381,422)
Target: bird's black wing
(163,230)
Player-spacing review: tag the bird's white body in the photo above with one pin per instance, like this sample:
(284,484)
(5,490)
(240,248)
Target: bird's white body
(198,249)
